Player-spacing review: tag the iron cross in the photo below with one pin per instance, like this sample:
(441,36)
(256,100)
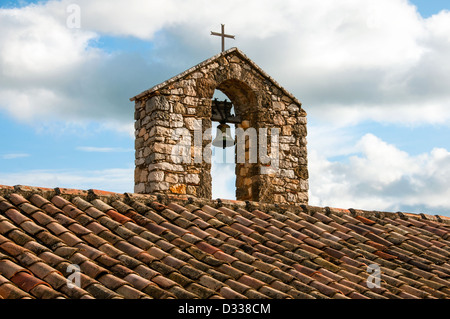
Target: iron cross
(223,35)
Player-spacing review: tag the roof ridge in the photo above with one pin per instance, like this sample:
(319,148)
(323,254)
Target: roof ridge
(110,197)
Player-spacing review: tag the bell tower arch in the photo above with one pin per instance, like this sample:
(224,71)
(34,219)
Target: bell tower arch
(175,117)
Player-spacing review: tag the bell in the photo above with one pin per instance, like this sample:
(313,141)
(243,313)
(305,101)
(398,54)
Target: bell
(223,138)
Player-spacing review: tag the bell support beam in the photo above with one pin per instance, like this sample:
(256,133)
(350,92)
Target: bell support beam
(221,112)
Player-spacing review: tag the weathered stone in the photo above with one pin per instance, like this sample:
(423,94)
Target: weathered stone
(286,130)
(302,197)
(172,178)
(192,123)
(165,123)
(286,99)
(189,100)
(291,186)
(179,108)
(284,146)
(160,131)
(162,148)
(191,190)
(287,139)
(139,142)
(147,151)
(176,124)
(166,167)
(139,161)
(142,132)
(235,59)
(302,172)
(278,106)
(291,197)
(157,187)
(304,185)
(143,176)
(192,179)
(197,75)
(289,173)
(279,199)
(286,165)
(178,189)
(302,120)
(279,120)
(139,188)
(278,181)
(178,91)
(176,117)
(157,103)
(190,91)
(145,120)
(156,176)
(153,157)
(257,99)
(293,108)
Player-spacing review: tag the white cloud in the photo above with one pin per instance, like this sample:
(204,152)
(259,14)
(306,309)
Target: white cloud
(49,72)
(353,60)
(223,184)
(14,156)
(348,61)
(95,149)
(382,177)
(115,180)
(331,140)
(35,44)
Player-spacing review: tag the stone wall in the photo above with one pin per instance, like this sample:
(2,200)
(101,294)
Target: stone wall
(184,102)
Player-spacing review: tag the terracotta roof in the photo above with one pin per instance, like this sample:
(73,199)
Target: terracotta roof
(133,246)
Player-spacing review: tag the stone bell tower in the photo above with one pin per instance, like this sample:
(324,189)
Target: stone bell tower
(173,133)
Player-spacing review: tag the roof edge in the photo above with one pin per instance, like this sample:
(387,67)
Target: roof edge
(109,197)
(210,60)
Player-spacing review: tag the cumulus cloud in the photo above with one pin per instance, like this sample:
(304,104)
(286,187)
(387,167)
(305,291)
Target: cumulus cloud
(347,61)
(96,149)
(51,72)
(381,176)
(12,156)
(353,60)
(223,184)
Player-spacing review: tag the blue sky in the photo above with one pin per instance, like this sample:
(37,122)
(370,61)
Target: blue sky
(374,77)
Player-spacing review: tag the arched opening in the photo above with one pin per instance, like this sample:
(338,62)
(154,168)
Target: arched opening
(223,162)
(233,178)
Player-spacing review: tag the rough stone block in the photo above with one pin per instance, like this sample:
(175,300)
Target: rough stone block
(139,188)
(289,173)
(166,167)
(156,176)
(172,178)
(192,179)
(162,148)
(157,187)
(157,103)
(279,199)
(278,106)
(191,190)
